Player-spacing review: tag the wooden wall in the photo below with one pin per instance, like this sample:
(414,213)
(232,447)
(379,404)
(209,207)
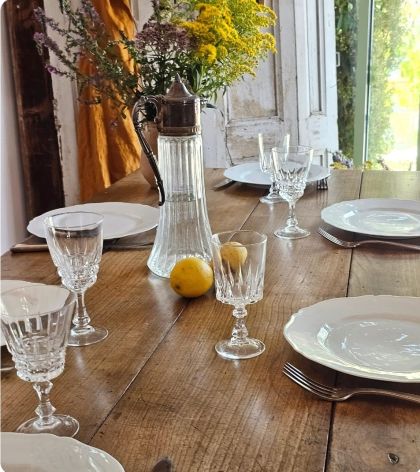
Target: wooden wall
(39,147)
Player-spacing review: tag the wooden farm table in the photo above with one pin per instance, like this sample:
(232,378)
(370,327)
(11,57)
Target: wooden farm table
(156,388)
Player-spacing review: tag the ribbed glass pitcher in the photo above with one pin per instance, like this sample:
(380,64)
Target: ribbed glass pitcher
(184,228)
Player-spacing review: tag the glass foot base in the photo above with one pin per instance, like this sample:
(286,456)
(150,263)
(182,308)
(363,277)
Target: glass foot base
(271,198)
(62,425)
(292,233)
(86,336)
(245,350)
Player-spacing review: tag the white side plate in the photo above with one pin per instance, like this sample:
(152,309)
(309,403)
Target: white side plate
(120,219)
(250,173)
(49,453)
(376,337)
(382,217)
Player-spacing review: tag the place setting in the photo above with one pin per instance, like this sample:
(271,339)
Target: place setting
(126,226)
(262,173)
(374,337)
(373,221)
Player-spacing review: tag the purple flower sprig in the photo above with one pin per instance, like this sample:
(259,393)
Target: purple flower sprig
(85,42)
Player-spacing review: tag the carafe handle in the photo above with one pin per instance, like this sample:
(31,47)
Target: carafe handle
(138,126)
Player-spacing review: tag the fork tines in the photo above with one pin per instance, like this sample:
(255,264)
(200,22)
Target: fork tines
(322,184)
(312,386)
(334,239)
(337,394)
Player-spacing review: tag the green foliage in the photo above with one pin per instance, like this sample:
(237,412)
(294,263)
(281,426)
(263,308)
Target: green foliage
(394,45)
(346,41)
(387,53)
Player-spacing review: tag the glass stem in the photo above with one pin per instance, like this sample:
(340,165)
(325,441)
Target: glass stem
(44,410)
(81,320)
(291,220)
(273,188)
(239,332)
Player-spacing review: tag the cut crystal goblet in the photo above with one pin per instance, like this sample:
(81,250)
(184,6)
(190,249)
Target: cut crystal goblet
(291,168)
(35,321)
(75,242)
(239,265)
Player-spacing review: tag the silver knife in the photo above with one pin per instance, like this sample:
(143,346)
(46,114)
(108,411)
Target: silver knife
(40,247)
(223,183)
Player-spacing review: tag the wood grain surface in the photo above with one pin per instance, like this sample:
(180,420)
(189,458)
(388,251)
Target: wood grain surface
(156,388)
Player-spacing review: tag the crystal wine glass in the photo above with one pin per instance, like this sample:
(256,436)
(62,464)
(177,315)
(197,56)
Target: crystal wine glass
(35,321)
(75,243)
(266,166)
(291,168)
(239,265)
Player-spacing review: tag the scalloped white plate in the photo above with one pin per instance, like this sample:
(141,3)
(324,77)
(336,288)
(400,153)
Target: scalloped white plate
(49,453)
(382,217)
(376,337)
(120,219)
(250,173)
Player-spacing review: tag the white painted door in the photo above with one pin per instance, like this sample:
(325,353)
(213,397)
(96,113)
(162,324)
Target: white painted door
(293,92)
(316,73)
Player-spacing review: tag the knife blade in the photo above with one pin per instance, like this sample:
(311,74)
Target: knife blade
(223,184)
(42,247)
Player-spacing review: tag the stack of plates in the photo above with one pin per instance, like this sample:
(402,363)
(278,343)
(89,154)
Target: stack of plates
(379,217)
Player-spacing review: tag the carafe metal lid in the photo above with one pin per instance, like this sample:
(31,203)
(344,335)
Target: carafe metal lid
(180,111)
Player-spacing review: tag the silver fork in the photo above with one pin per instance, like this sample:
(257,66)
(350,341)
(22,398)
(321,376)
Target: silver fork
(322,184)
(352,244)
(339,394)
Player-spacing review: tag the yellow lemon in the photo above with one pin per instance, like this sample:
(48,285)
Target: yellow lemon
(234,254)
(191,277)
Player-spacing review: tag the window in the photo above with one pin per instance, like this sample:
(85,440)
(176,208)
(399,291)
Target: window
(379,89)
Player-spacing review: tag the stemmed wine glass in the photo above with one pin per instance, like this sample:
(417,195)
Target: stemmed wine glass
(35,321)
(239,265)
(266,166)
(291,168)
(75,243)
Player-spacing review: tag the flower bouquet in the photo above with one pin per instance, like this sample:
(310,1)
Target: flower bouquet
(209,43)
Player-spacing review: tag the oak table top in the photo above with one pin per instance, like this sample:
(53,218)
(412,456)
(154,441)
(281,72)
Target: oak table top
(156,388)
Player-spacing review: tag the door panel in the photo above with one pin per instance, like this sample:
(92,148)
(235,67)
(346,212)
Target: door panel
(316,73)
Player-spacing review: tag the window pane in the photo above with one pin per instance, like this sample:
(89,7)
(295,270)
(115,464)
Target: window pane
(393,107)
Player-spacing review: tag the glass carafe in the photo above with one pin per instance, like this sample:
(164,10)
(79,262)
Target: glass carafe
(184,228)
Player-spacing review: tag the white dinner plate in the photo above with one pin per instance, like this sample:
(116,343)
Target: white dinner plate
(376,337)
(382,217)
(6,285)
(250,173)
(120,219)
(49,453)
